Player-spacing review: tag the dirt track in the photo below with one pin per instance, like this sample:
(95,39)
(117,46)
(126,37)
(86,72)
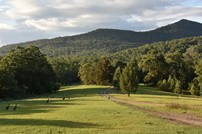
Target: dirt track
(187,119)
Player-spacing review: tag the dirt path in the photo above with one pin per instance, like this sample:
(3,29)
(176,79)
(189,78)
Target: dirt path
(187,119)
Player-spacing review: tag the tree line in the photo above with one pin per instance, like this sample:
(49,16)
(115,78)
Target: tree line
(123,76)
(173,66)
(26,72)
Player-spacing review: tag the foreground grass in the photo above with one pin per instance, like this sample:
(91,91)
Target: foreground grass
(90,114)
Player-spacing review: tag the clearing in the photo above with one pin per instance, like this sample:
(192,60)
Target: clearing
(88,112)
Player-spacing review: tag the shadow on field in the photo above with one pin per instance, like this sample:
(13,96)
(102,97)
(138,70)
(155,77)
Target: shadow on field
(36,106)
(56,100)
(41,122)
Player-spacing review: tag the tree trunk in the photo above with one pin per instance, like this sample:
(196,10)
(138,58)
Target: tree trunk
(128,94)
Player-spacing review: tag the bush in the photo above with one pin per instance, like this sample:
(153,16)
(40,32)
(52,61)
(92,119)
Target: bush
(164,85)
(194,89)
(177,87)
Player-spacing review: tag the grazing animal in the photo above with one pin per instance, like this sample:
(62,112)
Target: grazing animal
(47,100)
(7,107)
(15,107)
(108,97)
(63,98)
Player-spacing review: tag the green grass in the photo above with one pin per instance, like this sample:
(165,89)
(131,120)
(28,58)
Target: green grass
(92,114)
(153,91)
(153,98)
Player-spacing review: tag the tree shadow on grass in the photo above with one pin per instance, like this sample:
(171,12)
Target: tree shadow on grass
(35,106)
(40,105)
(41,122)
(52,102)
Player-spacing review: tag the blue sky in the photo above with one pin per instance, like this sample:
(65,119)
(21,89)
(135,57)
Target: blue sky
(25,20)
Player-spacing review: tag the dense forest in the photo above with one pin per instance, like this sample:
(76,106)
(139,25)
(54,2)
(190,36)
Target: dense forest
(113,59)
(165,64)
(173,66)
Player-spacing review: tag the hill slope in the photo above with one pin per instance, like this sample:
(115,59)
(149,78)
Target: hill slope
(103,41)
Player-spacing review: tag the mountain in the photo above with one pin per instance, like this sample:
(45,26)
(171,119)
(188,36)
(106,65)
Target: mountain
(102,41)
(181,27)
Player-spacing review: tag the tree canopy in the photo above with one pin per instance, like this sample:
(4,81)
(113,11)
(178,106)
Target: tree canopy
(129,79)
(26,71)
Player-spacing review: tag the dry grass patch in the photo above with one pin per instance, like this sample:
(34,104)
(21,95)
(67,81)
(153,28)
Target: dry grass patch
(178,106)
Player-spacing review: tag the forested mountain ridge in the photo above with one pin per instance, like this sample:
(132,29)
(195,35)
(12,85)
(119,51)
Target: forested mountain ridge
(181,27)
(190,48)
(102,41)
(93,58)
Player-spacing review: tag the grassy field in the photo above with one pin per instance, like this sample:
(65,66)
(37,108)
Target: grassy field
(152,98)
(90,114)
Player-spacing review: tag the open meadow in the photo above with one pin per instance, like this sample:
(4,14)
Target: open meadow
(153,98)
(88,112)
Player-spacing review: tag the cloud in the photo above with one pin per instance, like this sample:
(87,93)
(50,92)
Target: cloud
(50,24)
(49,18)
(6,26)
(61,8)
(168,15)
(59,14)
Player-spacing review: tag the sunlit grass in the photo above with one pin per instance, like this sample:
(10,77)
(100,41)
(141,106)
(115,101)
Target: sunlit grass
(90,114)
(153,98)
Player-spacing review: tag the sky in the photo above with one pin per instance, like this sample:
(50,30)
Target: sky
(26,20)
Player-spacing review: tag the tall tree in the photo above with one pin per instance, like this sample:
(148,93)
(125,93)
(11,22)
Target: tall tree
(178,87)
(31,70)
(129,79)
(104,72)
